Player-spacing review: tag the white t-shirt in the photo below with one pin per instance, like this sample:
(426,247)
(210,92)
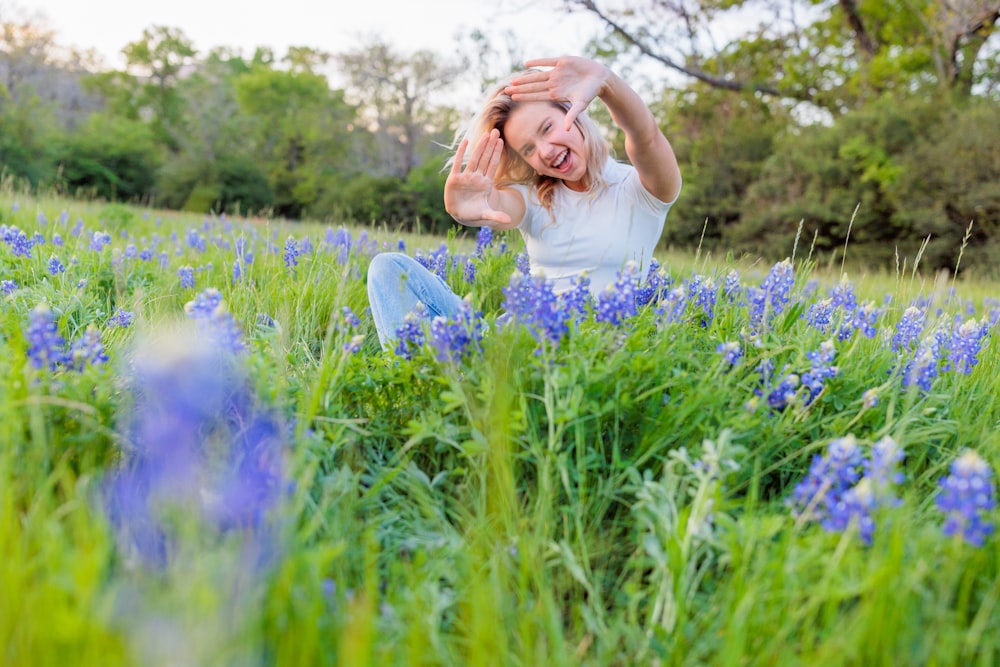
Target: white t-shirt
(597,236)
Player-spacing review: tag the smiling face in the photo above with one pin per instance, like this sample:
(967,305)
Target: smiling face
(536,131)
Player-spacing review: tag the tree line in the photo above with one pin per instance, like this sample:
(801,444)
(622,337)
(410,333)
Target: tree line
(858,122)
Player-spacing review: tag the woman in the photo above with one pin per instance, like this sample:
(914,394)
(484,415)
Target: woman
(539,165)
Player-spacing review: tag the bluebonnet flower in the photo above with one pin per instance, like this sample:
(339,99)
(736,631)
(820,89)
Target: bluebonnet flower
(784,393)
(82,284)
(922,369)
(470,271)
(702,294)
(77,228)
(577,299)
(883,469)
(522,263)
(410,334)
(617,302)
(820,315)
(732,288)
(869,398)
(57,240)
(55,266)
(46,348)
(843,297)
(20,244)
(8,286)
(532,301)
(212,317)
(99,240)
(237,270)
(350,319)
(353,346)
(909,328)
(864,319)
(306,246)
(436,261)
(195,241)
(454,338)
(292,252)
(651,289)
(88,350)
(842,488)
(966,497)
(965,345)
(121,319)
(203,449)
(186,274)
(821,369)
(774,293)
(828,478)
(673,305)
(484,240)
(731,352)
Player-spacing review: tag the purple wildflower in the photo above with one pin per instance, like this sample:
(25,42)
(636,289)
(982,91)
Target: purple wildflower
(202,447)
(731,352)
(522,263)
(99,240)
(46,348)
(186,274)
(965,345)
(532,301)
(209,311)
(966,497)
(410,334)
(617,302)
(121,319)
(484,240)
(774,293)
(20,244)
(353,346)
(909,328)
(55,266)
(454,338)
(821,369)
(292,252)
(8,286)
(843,488)
(88,350)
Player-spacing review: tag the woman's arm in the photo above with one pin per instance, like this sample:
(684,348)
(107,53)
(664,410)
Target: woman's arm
(578,81)
(469,195)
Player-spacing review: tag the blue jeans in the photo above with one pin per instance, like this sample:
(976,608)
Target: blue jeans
(396,283)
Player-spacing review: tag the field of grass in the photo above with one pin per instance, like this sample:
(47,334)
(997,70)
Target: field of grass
(206,459)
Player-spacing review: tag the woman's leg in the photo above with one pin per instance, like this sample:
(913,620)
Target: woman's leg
(396,283)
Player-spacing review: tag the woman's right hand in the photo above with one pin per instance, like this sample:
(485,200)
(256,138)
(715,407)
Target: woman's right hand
(468,189)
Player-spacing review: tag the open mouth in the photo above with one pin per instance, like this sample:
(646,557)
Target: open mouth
(560,160)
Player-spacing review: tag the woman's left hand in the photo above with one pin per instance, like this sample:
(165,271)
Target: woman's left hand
(571,79)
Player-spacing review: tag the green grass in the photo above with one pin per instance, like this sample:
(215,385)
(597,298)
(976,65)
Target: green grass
(617,501)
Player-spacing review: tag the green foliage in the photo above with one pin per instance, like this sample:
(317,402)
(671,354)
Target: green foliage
(113,159)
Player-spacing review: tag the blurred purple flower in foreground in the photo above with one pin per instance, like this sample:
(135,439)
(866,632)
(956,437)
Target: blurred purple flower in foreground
(203,454)
(967,495)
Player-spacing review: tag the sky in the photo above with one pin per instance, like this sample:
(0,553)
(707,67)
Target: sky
(328,25)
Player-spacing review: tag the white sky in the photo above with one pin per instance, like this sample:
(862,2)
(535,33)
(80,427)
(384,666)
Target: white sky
(327,25)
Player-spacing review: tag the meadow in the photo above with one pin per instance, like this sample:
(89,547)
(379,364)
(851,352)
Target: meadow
(206,458)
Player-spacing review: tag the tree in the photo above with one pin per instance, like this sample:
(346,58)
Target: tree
(834,54)
(158,60)
(300,131)
(398,93)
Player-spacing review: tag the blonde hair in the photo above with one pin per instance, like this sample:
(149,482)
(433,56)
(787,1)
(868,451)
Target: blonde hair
(513,169)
